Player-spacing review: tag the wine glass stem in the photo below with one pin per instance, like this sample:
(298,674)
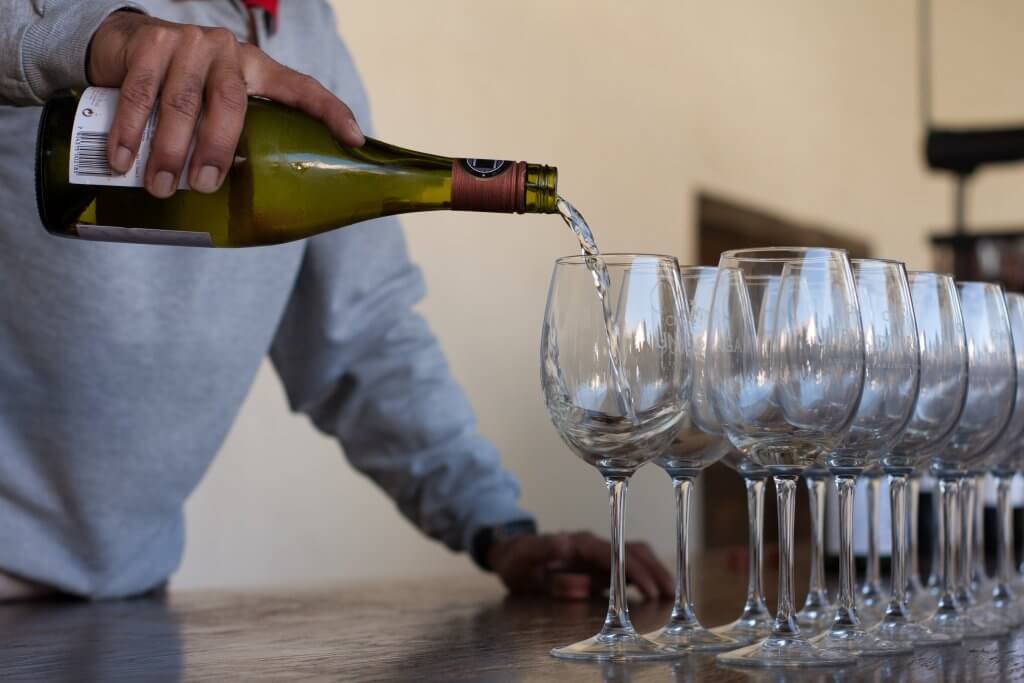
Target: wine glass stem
(785,621)
(938,537)
(978,572)
(617,619)
(949,525)
(846,614)
(913,503)
(874,565)
(816,496)
(897,608)
(1004,519)
(682,611)
(755,576)
(966,545)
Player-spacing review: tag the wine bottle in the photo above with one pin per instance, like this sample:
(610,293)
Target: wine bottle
(290,179)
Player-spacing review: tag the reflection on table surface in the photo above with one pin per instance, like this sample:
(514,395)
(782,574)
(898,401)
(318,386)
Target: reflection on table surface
(453,629)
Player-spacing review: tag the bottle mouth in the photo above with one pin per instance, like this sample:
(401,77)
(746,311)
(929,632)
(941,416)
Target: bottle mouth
(541,190)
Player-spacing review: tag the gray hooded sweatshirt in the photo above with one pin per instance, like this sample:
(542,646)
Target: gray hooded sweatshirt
(123,366)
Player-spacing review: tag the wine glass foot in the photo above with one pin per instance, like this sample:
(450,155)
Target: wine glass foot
(1004,615)
(692,639)
(964,626)
(918,634)
(616,647)
(790,651)
(857,641)
(1010,611)
(815,619)
(871,613)
(746,630)
(983,590)
(923,605)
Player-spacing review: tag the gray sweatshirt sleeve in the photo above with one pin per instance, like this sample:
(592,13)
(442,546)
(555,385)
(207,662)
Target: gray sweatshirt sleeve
(364,366)
(356,357)
(43,44)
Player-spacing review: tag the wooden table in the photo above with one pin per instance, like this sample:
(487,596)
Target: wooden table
(427,630)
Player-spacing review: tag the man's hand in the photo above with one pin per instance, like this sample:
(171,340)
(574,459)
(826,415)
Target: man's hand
(574,566)
(193,69)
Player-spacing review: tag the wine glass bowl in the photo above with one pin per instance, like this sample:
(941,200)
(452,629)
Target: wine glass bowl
(1002,451)
(891,365)
(992,376)
(789,358)
(942,382)
(653,347)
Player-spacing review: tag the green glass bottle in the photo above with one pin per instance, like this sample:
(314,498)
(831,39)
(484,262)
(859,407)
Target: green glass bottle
(291,179)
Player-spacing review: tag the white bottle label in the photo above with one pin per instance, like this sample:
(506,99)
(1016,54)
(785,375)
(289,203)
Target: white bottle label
(89,165)
(111,233)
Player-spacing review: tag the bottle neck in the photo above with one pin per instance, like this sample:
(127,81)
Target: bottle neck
(503,186)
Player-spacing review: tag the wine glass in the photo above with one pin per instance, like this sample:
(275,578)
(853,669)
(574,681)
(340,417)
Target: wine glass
(755,621)
(616,382)
(891,374)
(1000,461)
(991,391)
(817,611)
(698,445)
(942,389)
(785,368)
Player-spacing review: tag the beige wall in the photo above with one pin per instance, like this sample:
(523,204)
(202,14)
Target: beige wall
(801,106)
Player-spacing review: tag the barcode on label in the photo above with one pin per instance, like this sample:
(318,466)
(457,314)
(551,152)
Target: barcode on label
(91,155)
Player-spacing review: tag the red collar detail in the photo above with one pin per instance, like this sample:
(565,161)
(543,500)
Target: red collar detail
(269,6)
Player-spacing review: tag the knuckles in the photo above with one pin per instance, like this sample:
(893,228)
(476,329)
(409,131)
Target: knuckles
(166,36)
(187,99)
(159,36)
(232,93)
(191,35)
(140,91)
(221,37)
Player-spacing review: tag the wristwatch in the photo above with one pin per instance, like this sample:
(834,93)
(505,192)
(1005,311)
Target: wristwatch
(486,537)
